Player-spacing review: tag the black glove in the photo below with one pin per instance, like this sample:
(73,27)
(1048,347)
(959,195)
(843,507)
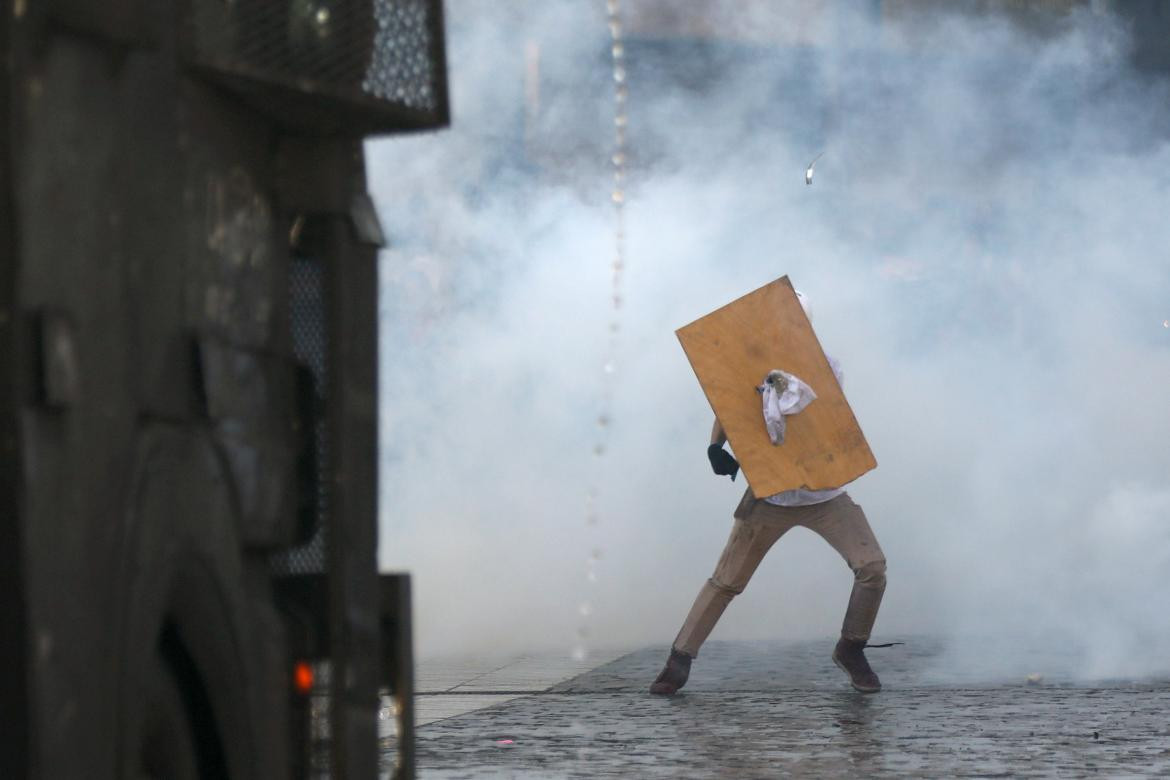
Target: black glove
(721,461)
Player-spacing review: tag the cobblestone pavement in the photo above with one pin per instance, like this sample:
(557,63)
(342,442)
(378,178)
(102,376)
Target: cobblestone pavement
(772,709)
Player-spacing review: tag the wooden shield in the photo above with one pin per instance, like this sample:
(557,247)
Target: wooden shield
(732,349)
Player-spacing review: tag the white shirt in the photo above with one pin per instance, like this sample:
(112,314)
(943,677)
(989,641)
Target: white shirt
(801,496)
(779,405)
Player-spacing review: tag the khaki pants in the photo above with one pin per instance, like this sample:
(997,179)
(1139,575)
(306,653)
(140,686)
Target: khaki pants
(758,525)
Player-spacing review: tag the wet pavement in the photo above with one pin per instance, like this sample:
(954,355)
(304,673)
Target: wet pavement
(451,687)
(769,709)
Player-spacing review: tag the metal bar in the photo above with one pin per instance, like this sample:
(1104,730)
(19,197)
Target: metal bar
(351,289)
(14,682)
(398,657)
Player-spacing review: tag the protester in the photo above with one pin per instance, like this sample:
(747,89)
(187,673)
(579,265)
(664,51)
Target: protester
(758,524)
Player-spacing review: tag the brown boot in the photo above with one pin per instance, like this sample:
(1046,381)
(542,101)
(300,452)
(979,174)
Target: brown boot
(849,654)
(674,674)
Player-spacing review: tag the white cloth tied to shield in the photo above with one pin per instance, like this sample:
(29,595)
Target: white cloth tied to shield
(794,396)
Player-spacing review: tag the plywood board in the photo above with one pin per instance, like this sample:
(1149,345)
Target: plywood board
(732,349)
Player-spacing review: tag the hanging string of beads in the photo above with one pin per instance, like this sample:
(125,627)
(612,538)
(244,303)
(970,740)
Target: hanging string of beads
(617,270)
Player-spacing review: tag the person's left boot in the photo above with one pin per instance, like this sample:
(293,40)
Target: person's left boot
(849,654)
(674,675)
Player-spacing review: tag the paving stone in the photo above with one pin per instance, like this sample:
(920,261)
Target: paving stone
(769,709)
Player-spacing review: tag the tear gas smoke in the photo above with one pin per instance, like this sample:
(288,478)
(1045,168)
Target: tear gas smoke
(986,256)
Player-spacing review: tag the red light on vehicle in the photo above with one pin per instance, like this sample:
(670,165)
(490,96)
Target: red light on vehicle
(303,678)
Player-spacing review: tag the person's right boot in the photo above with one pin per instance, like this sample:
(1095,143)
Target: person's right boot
(849,654)
(674,675)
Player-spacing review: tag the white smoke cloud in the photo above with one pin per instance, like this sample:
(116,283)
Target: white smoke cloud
(984,244)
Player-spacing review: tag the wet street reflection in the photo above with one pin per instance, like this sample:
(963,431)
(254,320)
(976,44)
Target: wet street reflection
(764,709)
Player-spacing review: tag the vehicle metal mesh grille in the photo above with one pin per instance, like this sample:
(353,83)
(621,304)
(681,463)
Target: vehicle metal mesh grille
(372,54)
(309,339)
